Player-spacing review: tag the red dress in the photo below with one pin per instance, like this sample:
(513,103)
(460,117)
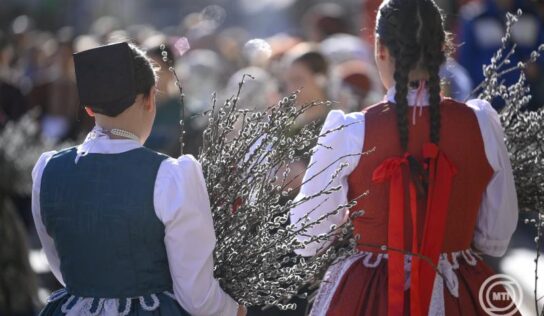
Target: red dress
(384,282)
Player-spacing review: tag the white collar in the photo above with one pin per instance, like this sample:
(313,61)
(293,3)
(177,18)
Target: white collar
(99,142)
(411,97)
(416,98)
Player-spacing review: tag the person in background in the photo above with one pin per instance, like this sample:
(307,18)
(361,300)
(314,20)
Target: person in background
(12,102)
(166,130)
(54,90)
(324,20)
(456,81)
(308,71)
(481,29)
(356,86)
(258,93)
(201,72)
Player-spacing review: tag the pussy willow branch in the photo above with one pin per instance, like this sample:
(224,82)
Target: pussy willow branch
(171,67)
(523,131)
(245,159)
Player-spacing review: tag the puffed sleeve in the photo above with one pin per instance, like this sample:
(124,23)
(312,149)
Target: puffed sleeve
(498,215)
(48,244)
(338,147)
(182,204)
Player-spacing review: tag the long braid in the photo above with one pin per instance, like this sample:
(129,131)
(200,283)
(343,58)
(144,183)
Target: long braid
(432,37)
(434,107)
(401,103)
(414,43)
(405,52)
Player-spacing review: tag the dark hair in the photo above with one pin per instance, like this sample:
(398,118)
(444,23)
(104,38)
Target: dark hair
(413,32)
(328,19)
(145,71)
(315,61)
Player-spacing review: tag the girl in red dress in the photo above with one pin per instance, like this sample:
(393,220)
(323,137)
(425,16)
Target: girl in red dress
(441,190)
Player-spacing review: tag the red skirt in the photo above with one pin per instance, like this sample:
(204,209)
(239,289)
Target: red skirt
(358,286)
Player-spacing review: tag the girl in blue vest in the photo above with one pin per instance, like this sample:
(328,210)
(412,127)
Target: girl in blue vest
(126,230)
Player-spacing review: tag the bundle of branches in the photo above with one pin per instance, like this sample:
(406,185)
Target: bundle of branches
(245,159)
(523,129)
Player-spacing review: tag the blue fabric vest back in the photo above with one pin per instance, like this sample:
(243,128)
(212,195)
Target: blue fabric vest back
(101,216)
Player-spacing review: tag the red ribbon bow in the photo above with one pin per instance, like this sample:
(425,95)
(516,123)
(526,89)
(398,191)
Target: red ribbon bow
(441,173)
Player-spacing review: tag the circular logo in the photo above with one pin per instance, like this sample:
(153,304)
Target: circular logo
(499,295)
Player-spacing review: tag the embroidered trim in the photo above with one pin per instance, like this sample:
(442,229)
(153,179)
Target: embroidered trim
(445,267)
(170,295)
(128,305)
(146,307)
(454,257)
(64,307)
(469,258)
(477,255)
(469,255)
(84,305)
(98,307)
(87,305)
(366,260)
(57,295)
(334,275)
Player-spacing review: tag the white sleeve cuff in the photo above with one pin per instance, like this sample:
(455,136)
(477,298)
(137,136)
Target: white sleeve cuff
(491,247)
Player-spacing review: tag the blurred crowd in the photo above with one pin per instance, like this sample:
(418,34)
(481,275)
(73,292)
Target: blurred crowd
(325,48)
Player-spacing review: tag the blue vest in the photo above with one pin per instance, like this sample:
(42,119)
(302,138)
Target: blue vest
(101,216)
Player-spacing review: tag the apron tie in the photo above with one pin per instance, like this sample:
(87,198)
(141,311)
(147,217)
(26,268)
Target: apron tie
(391,170)
(441,172)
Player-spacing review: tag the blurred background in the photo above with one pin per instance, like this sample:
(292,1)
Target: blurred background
(324,47)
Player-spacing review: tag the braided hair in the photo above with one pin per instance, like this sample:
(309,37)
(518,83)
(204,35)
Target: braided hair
(413,32)
(416,42)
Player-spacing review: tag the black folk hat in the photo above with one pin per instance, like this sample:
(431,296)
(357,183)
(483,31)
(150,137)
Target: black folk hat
(105,78)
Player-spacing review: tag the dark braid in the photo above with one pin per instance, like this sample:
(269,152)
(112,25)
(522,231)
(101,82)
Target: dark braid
(415,42)
(434,107)
(432,40)
(401,87)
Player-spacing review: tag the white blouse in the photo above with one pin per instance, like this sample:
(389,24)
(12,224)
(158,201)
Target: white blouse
(182,205)
(498,214)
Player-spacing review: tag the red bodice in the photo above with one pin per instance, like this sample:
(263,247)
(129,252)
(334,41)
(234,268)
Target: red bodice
(460,140)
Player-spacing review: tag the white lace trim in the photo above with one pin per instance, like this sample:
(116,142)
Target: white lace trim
(147,307)
(335,274)
(105,306)
(171,295)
